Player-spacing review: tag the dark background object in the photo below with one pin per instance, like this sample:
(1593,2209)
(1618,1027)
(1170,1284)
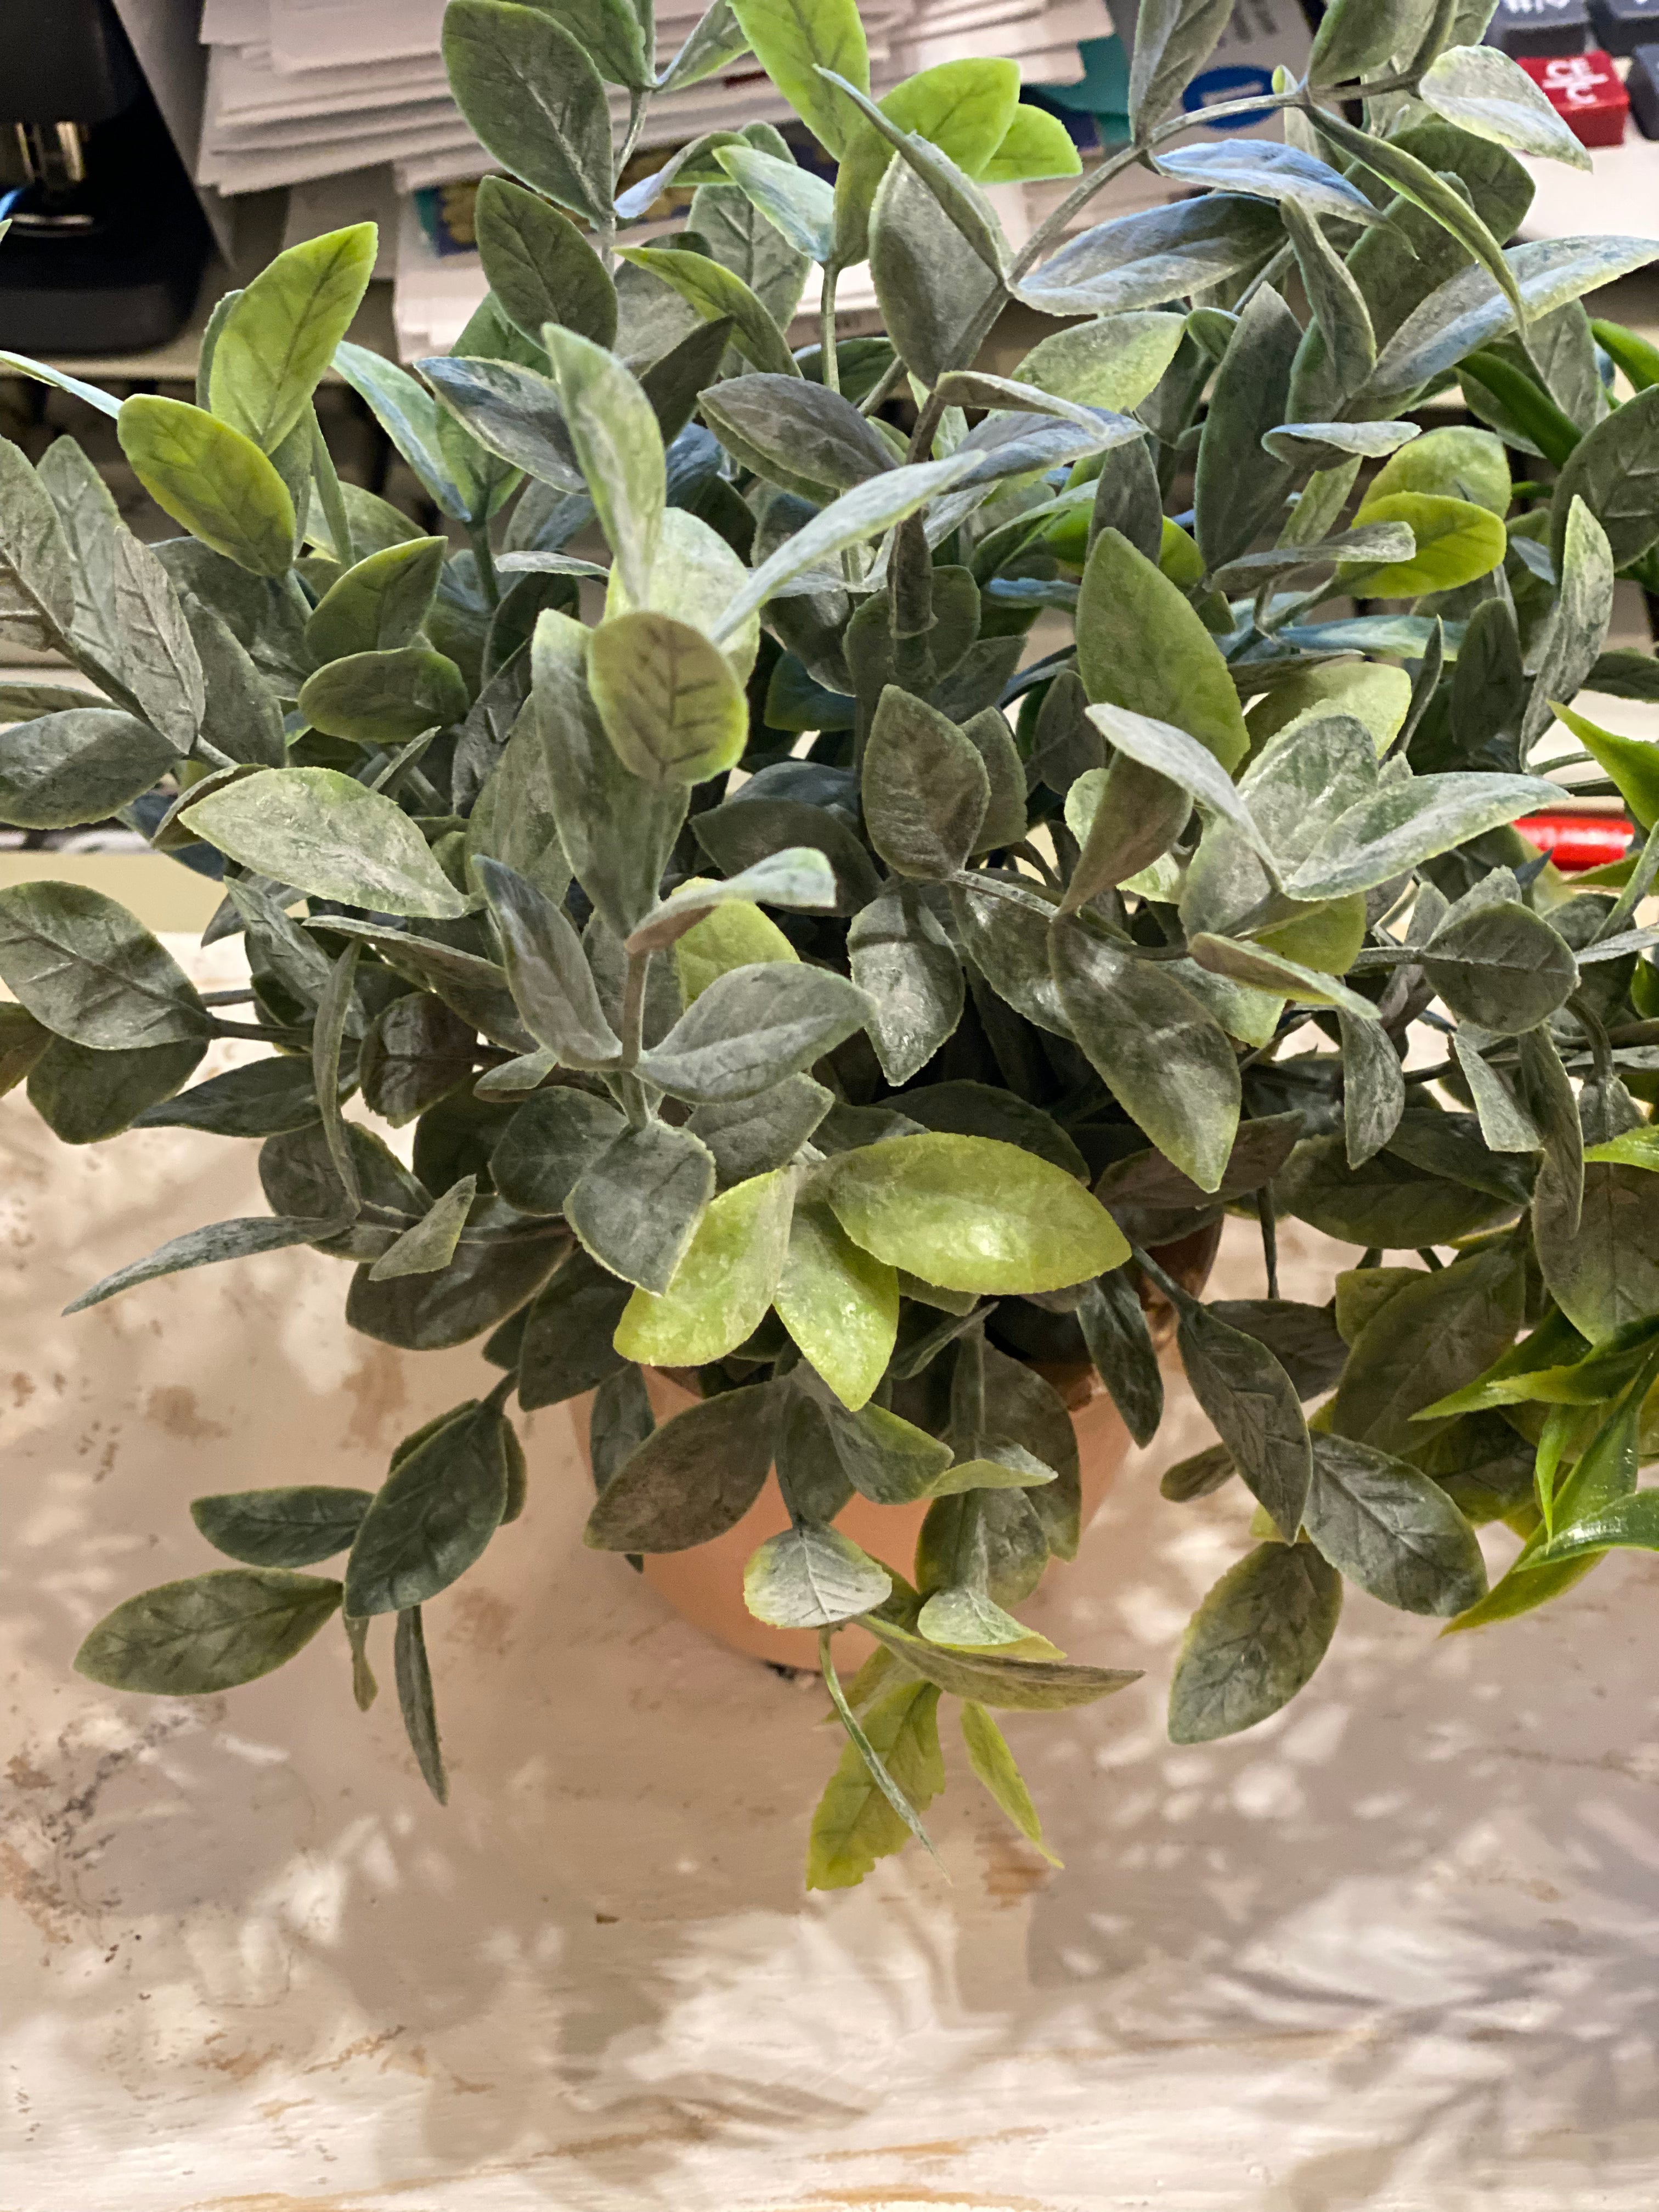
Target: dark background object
(1534,29)
(1622,25)
(108,241)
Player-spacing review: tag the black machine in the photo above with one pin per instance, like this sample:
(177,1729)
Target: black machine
(106,242)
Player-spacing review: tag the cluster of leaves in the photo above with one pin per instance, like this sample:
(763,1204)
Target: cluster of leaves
(1066,957)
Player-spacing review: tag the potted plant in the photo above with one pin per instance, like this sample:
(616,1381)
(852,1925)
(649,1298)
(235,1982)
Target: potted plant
(814,1007)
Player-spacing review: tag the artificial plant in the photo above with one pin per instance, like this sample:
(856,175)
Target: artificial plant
(795,977)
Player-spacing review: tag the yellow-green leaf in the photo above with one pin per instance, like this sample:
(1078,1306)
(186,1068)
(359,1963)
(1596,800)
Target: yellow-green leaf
(1140,646)
(282,331)
(1034,144)
(1457,543)
(667,698)
(1632,762)
(854,1825)
(1449,464)
(840,1303)
(993,1763)
(212,479)
(971,1213)
(724,1284)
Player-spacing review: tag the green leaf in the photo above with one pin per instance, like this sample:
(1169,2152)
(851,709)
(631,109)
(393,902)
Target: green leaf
(637,1206)
(157,661)
(1425,189)
(1578,629)
(209,476)
(529,90)
(797,876)
(539,267)
(870,1808)
(1405,822)
(213,1633)
(201,1247)
(1614,472)
(799,205)
(796,434)
(22,1041)
(86,968)
(903,960)
(963,1617)
(243,716)
(1343,316)
(379,604)
(1437,1332)
(510,411)
(1164,1058)
(413,420)
(84,1095)
(970,1214)
(1199,1475)
(1254,1643)
(329,836)
(718,294)
(1387,1201)
(1357,38)
(614,430)
(292,1527)
(1174,38)
(550,1143)
(1285,173)
(1141,646)
(860,514)
(1010,1685)
(1113,361)
(430,1244)
(751,1027)
(667,698)
(1114,1326)
(433,1515)
(80,765)
(414,1053)
(1629,1523)
(693,1477)
(385,698)
(33,547)
(552,983)
(1327,445)
(280,335)
(1604,1274)
(413,1679)
(812,1578)
(722,1288)
(616,833)
(839,1303)
(491,1276)
(925,789)
(751,1136)
(1632,763)
(1255,1410)
(1501,967)
(1482,91)
(1261,968)
(1239,487)
(1391,1529)
(1163,253)
(1035,145)
(1170,752)
(887,1460)
(793,41)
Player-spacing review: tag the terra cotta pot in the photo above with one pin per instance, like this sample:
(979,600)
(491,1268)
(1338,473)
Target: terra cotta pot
(704,1584)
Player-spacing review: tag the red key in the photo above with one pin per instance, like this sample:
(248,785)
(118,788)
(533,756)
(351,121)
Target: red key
(1586,91)
(1576,842)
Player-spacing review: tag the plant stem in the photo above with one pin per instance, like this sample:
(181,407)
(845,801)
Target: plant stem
(484,554)
(1265,1214)
(829,368)
(638,102)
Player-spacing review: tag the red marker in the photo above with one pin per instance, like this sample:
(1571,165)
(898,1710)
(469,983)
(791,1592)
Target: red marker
(1577,842)
(1586,91)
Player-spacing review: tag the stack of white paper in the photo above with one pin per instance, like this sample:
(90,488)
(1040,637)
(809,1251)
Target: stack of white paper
(298,89)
